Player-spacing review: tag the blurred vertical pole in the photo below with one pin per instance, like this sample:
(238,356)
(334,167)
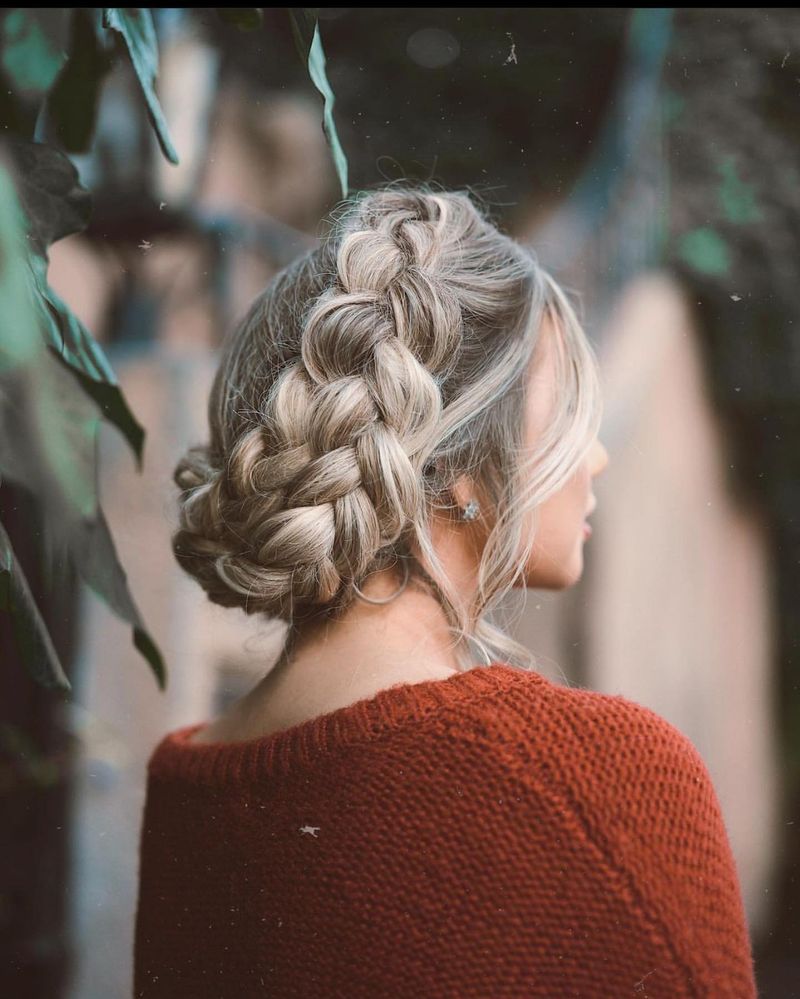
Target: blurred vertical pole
(36,754)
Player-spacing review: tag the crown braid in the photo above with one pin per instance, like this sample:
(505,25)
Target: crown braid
(332,473)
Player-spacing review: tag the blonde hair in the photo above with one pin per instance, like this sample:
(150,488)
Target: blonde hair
(364,380)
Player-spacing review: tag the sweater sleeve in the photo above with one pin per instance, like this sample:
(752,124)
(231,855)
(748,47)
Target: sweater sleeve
(644,797)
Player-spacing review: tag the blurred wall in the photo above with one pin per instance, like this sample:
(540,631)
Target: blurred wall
(679,601)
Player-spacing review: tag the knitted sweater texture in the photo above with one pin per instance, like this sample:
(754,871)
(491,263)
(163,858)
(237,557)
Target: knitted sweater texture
(492,834)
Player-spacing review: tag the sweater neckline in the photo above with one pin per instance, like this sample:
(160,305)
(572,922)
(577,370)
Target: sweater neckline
(220,763)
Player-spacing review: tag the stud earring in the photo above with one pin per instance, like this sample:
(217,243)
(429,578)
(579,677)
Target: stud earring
(471,510)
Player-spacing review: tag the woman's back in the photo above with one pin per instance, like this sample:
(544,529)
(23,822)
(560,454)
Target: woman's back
(491,833)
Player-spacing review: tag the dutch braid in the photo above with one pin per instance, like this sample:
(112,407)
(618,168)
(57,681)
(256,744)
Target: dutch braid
(333,474)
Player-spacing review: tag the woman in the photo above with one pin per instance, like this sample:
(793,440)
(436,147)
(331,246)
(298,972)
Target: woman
(403,429)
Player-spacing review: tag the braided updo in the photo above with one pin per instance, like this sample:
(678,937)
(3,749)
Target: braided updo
(366,377)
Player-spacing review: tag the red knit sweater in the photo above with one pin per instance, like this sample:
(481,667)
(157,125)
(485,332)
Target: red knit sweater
(493,834)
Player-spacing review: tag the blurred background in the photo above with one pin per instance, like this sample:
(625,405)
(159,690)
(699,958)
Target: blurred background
(651,156)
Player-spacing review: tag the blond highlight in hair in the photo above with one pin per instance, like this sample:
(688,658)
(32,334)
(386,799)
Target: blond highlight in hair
(366,378)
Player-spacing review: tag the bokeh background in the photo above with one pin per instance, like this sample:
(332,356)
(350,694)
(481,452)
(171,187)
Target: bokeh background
(652,158)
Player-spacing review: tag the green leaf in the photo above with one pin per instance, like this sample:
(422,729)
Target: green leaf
(244,18)
(49,427)
(33,47)
(39,447)
(135,24)
(32,50)
(304,23)
(107,397)
(64,332)
(305,28)
(20,341)
(95,558)
(704,250)
(74,98)
(56,205)
(54,202)
(32,639)
(75,347)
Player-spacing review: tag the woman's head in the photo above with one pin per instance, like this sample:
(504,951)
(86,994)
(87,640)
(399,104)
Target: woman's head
(416,359)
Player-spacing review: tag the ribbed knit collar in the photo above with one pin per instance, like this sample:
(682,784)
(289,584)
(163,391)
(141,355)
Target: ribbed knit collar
(223,763)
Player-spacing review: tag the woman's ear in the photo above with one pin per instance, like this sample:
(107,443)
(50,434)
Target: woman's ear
(463,491)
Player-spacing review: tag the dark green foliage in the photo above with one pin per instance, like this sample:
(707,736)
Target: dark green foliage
(135,25)
(73,100)
(56,384)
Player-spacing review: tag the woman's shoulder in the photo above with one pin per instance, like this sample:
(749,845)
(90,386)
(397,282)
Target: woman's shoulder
(614,755)
(561,714)
(627,774)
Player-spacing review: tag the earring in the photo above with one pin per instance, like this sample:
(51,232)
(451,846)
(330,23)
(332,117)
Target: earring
(471,510)
(389,599)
